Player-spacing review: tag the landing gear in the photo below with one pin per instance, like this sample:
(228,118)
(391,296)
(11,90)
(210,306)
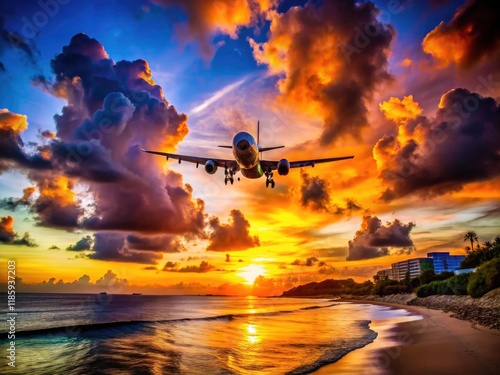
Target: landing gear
(228,176)
(269,179)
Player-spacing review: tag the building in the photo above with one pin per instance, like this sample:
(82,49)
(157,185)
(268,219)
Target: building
(464,270)
(445,262)
(385,274)
(437,261)
(414,266)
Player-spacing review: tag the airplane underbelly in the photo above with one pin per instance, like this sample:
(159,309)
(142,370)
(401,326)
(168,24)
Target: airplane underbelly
(254,172)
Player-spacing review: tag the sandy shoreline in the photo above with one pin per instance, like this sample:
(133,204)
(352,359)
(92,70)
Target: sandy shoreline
(436,344)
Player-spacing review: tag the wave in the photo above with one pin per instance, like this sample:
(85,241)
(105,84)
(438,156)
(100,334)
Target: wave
(334,356)
(77,329)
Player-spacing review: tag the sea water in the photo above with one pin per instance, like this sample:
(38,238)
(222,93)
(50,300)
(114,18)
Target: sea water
(142,334)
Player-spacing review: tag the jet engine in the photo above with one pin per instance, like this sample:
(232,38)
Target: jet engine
(210,167)
(283,167)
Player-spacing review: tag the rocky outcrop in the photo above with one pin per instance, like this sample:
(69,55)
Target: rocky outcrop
(484,310)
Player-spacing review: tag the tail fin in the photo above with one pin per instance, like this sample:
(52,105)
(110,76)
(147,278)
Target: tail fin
(258,132)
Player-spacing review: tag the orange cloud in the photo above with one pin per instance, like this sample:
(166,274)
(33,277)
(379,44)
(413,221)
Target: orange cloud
(10,237)
(471,36)
(57,205)
(406,62)
(437,155)
(208,17)
(330,67)
(13,121)
(398,110)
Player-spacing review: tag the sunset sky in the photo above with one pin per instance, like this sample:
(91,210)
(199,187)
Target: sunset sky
(410,88)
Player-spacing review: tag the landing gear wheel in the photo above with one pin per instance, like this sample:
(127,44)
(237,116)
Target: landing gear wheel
(225,181)
(232,180)
(269,179)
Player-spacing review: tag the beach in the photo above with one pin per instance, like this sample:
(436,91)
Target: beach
(434,344)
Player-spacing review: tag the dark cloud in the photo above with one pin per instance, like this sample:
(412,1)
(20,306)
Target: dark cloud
(175,267)
(112,109)
(9,237)
(12,146)
(54,247)
(349,207)
(334,53)
(309,262)
(328,270)
(161,243)
(314,192)
(83,244)
(374,239)
(472,35)
(232,236)
(56,206)
(10,40)
(12,203)
(436,155)
(111,246)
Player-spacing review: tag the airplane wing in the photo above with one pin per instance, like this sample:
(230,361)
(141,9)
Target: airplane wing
(266,164)
(195,159)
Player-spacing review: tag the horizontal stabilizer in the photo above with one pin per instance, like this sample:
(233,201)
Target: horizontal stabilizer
(262,149)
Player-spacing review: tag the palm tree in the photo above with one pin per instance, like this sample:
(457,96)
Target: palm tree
(471,236)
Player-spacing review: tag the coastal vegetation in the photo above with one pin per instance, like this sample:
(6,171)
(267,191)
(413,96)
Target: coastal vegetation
(485,259)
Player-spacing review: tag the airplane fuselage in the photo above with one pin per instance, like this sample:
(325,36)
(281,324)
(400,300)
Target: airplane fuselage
(246,154)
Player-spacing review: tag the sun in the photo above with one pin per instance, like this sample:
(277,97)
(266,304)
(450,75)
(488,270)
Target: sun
(250,273)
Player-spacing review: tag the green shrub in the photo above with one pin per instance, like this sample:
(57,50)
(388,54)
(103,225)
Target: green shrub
(486,278)
(424,290)
(458,283)
(443,287)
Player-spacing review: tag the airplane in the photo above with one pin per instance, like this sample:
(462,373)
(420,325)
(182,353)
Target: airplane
(247,154)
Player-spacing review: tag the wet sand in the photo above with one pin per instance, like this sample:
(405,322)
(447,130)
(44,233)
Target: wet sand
(435,344)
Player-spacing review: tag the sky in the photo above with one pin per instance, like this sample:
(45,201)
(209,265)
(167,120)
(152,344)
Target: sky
(410,88)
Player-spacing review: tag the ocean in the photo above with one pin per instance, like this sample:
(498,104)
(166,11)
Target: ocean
(143,334)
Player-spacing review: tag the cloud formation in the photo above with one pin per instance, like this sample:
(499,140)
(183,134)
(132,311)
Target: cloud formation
(175,267)
(9,237)
(232,236)
(472,35)
(10,40)
(12,146)
(374,239)
(112,246)
(334,53)
(11,204)
(315,194)
(436,155)
(112,109)
(83,244)
(398,110)
(208,17)
(309,262)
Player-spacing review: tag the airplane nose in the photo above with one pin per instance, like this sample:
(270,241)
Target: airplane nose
(243,145)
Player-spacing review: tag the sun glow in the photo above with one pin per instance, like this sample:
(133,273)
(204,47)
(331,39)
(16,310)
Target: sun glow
(250,273)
